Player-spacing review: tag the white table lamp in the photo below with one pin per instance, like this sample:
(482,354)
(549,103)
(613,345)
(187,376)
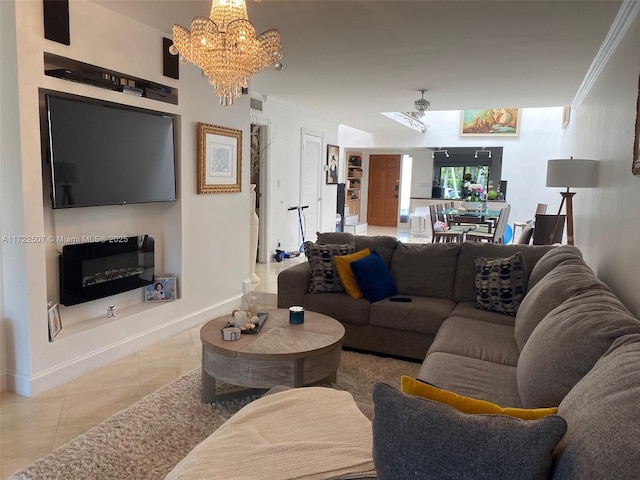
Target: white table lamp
(570,173)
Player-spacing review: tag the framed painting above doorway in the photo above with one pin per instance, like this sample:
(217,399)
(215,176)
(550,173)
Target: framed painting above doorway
(504,122)
(333,164)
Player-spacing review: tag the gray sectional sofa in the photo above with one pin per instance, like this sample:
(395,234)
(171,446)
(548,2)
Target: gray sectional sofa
(571,344)
(439,278)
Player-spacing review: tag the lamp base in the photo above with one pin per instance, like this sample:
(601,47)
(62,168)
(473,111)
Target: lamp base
(568,198)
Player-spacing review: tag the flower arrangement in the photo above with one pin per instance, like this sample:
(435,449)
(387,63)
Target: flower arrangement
(474,192)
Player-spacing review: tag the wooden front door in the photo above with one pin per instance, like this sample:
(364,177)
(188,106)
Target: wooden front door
(384,188)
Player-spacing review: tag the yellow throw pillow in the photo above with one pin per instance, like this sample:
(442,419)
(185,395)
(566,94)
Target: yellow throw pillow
(470,405)
(343,266)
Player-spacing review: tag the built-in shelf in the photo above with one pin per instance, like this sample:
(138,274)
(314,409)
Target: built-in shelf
(75,71)
(90,323)
(354,180)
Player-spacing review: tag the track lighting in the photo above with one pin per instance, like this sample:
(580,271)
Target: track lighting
(483,150)
(440,150)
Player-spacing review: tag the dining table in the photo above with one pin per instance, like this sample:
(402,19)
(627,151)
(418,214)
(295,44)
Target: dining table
(458,216)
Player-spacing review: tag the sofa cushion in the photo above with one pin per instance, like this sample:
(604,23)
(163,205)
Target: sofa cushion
(603,419)
(340,306)
(561,283)
(469,310)
(472,377)
(385,245)
(373,277)
(567,343)
(324,276)
(477,339)
(464,287)
(501,283)
(343,266)
(464,404)
(422,314)
(425,269)
(554,257)
(418,438)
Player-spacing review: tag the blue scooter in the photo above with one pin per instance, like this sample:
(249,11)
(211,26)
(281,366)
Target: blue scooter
(282,254)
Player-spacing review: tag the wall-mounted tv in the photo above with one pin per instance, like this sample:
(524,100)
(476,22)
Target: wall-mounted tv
(102,153)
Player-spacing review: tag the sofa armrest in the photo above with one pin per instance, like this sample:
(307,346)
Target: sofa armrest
(293,283)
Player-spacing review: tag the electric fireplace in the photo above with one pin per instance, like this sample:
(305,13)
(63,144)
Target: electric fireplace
(89,271)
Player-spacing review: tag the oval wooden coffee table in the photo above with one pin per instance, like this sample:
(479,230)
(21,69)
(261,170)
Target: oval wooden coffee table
(280,354)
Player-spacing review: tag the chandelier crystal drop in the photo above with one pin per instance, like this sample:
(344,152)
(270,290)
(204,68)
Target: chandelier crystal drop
(421,105)
(226,48)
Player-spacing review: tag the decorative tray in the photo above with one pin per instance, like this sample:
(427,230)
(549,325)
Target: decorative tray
(262,317)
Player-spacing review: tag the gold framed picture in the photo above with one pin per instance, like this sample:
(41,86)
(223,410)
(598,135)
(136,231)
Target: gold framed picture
(503,122)
(635,166)
(219,159)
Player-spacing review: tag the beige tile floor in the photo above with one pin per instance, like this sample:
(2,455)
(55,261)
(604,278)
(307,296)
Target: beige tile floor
(32,427)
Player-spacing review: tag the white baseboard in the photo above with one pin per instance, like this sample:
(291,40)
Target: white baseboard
(31,385)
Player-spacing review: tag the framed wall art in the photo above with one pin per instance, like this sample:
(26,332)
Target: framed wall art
(635,167)
(490,122)
(333,164)
(219,159)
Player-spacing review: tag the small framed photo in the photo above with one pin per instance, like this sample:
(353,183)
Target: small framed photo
(163,289)
(55,322)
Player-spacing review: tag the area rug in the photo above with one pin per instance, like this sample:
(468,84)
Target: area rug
(146,440)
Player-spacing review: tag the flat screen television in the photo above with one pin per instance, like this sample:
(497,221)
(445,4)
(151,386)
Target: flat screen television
(102,153)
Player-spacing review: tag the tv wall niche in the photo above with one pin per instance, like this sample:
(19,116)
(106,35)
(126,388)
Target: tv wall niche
(93,270)
(102,153)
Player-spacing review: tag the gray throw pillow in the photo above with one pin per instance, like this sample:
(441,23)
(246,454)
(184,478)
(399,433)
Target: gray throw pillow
(416,438)
(501,283)
(324,276)
(554,257)
(557,286)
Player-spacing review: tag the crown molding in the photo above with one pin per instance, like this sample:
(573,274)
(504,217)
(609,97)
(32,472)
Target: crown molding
(627,14)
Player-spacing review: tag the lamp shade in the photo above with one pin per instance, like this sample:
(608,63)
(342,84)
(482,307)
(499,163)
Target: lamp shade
(572,172)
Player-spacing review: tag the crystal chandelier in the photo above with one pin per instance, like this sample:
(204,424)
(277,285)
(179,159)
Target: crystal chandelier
(226,48)
(421,105)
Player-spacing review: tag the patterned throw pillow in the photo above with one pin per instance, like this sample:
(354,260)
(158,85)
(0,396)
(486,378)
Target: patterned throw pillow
(501,283)
(324,276)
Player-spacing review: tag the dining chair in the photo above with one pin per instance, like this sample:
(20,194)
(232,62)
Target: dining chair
(540,209)
(526,235)
(448,235)
(441,216)
(497,236)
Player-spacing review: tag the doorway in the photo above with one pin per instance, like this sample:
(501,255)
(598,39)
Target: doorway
(260,178)
(384,190)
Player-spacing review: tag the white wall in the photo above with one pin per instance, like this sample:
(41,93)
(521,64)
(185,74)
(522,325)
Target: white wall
(203,238)
(524,160)
(286,124)
(12,258)
(607,229)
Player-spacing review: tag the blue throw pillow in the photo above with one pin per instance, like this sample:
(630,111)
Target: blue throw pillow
(373,277)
